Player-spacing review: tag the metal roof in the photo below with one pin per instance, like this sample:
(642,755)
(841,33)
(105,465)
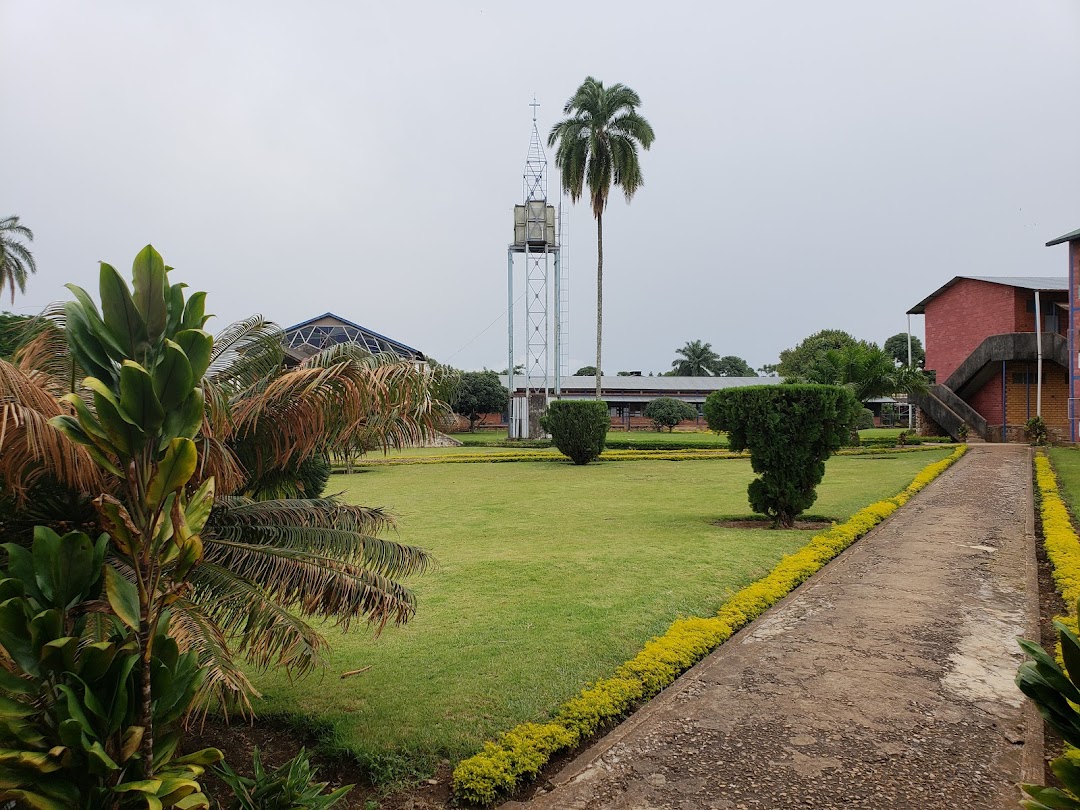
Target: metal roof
(326,336)
(1069,237)
(1040,283)
(647,386)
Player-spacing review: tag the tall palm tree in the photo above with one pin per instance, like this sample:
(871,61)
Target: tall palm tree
(16,262)
(598,147)
(697,360)
(867,370)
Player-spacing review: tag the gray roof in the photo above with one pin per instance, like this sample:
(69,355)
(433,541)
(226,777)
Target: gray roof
(1040,283)
(645,386)
(1069,237)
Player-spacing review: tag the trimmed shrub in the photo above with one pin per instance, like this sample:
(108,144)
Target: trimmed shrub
(578,428)
(667,412)
(866,420)
(790,430)
(1036,431)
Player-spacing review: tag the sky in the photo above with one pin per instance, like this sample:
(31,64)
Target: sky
(816,165)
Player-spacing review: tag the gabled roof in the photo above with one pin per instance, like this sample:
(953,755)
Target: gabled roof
(1040,283)
(298,335)
(1069,237)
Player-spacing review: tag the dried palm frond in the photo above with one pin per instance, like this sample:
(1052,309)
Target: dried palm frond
(32,450)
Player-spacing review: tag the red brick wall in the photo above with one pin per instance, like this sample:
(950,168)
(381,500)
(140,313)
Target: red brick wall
(987,400)
(961,318)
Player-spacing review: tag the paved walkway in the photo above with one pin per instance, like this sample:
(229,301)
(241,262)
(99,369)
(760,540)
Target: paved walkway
(886,681)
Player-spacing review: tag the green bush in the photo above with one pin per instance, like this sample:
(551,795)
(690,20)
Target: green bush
(866,420)
(578,428)
(667,412)
(1035,429)
(790,430)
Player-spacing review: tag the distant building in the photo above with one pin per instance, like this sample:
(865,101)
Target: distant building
(326,330)
(627,396)
(981,341)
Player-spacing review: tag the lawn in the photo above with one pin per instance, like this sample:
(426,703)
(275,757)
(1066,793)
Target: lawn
(550,576)
(1066,461)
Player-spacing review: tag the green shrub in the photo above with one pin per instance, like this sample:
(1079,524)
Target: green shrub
(578,428)
(667,412)
(1036,432)
(790,431)
(866,420)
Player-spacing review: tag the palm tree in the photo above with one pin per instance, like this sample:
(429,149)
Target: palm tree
(277,558)
(867,370)
(16,262)
(697,360)
(598,147)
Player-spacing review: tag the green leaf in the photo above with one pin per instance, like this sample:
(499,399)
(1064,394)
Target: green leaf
(15,636)
(176,307)
(123,431)
(1068,772)
(95,659)
(37,801)
(84,345)
(172,377)
(71,428)
(199,505)
(123,597)
(138,399)
(59,655)
(97,326)
(185,421)
(64,566)
(121,316)
(194,317)
(100,762)
(148,274)
(173,471)
(12,684)
(197,345)
(202,758)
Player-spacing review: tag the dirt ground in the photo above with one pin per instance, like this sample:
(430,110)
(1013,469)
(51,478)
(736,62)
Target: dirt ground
(886,681)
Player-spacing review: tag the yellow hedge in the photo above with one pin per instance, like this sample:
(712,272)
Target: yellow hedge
(524,750)
(1059,538)
(608,455)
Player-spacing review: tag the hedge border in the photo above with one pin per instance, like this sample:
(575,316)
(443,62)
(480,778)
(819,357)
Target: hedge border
(608,455)
(1059,537)
(521,752)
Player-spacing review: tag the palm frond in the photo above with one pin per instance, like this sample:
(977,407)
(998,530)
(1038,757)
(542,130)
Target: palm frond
(244,353)
(256,625)
(225,686)
(31,450)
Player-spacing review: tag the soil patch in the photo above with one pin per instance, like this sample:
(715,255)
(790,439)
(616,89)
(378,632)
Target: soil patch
(278,743)
(808,523)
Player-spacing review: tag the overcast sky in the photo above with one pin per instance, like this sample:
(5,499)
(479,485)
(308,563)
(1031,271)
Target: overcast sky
(816,164)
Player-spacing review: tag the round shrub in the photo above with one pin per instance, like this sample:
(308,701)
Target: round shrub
(790,430)
(578,428)
(667,412)
(866,419)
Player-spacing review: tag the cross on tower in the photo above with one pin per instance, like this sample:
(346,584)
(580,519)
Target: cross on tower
(535,105)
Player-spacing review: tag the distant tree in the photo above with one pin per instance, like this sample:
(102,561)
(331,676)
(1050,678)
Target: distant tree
(597,148)
(867,371)
(768,370)
(667,412)
(626,374)
(896,346)
(519,368)
(796,363)
(479,392)
(587,371)
(16,262)
(696,359)
(732,366)
(790,431)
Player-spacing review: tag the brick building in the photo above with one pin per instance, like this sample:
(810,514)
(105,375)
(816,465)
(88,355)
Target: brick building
(982,344)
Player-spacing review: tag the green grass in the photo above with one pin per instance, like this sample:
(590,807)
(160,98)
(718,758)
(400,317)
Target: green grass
(550,576)
(881,433)
(1066,461)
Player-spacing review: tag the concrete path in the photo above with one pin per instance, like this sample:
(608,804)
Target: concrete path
(885,681)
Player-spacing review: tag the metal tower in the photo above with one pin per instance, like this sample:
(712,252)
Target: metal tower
(536,241)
